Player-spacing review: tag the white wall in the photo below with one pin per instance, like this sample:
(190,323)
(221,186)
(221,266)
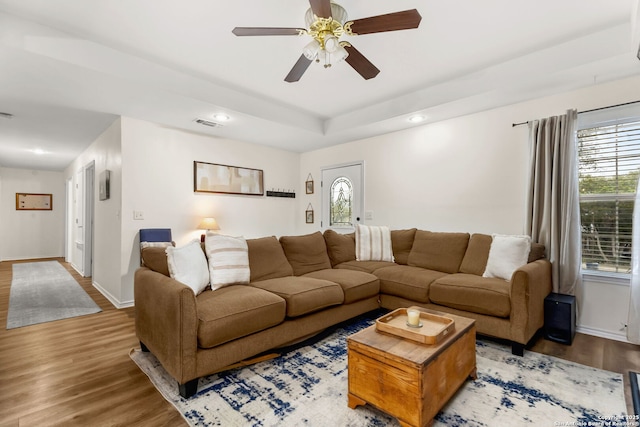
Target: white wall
(31,234)
(157,176)
(434,176)
(467,174)
(105,153)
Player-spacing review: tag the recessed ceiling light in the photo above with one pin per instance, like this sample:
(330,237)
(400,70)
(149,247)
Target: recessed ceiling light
(38,151)
(417,118)
(221,117)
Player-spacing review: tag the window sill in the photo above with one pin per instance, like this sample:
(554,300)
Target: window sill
(621,279)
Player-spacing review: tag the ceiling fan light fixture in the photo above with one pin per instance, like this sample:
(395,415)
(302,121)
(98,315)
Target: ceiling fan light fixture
(310,51)
(331,44)
(326,22)
(340,54)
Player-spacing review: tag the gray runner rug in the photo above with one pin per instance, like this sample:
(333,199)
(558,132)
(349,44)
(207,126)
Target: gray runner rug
(45,291)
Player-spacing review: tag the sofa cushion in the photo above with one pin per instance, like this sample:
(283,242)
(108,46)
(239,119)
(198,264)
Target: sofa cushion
(507,254)
(267,259)
(306,253)
(188,265)
(438,251)
(407,282)
(537,252)
(471,293)
(366,266)
(356,285)
(340,247)
(155,259)
(402,241)
(477,254)
(475,259)
(373,243)
(303,294)
(228,260)
(236,311)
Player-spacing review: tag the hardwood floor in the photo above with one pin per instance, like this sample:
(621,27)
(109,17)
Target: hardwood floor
(77,372)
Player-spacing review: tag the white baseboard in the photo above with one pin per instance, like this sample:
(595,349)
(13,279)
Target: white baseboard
(113,300)
(35,259)
(602,333)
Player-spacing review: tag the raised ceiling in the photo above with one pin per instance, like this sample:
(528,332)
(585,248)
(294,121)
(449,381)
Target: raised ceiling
(68,68)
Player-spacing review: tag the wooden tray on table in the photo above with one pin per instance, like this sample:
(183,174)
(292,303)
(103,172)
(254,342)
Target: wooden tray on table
(434,327)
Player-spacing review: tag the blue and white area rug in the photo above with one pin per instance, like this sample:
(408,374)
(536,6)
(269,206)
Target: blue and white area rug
(308,387)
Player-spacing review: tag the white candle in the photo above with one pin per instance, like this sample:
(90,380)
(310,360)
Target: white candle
(414,317)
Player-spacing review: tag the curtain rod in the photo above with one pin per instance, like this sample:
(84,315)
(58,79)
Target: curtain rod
(588,111)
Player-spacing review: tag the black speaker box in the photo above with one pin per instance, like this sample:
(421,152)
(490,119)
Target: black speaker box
(560,318)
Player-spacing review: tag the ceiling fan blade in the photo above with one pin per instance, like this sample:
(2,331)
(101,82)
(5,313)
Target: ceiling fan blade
(266,31)
(321,8)
(362,65)
(298,69)
(404,20)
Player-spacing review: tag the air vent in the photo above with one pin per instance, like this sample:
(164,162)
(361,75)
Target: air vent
(208,123)
(6,115)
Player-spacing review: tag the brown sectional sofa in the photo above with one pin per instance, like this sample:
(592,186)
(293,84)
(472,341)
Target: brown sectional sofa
(300,285)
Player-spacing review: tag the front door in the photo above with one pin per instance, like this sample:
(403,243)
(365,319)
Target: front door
(342,197)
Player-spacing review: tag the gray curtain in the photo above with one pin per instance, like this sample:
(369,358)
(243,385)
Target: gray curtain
(553,205)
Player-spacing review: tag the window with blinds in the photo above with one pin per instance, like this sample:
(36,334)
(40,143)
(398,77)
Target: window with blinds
(609,166)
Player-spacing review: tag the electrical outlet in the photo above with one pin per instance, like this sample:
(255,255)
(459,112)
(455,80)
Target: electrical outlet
(368,215)
(138,215)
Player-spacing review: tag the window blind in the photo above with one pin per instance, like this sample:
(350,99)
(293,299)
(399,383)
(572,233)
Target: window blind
(609,167)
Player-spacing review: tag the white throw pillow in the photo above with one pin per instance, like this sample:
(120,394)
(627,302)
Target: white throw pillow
(228,260)
(373,243)
(187,264)
(144,245)
(507,254)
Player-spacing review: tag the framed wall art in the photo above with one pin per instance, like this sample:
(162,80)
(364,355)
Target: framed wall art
(308,184)
(309,214)
(34,202)
(216,178)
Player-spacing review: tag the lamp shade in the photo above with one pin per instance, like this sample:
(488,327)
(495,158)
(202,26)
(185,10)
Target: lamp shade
(208,224)
(331,44)
(310,51)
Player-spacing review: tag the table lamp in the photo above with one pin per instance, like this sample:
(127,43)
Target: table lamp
(207,224)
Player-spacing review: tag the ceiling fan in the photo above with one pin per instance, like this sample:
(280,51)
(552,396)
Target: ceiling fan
(326,23)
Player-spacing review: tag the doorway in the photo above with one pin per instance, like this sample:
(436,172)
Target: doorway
(80,212)
(89,185)
(342,197)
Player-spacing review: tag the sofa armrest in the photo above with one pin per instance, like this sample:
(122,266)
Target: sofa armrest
(167,321)
(530,285)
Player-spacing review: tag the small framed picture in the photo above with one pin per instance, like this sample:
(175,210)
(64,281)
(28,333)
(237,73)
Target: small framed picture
(309,216)
(35,202)
(308,184)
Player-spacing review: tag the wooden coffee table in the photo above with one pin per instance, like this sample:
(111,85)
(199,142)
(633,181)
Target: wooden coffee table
(406,379)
